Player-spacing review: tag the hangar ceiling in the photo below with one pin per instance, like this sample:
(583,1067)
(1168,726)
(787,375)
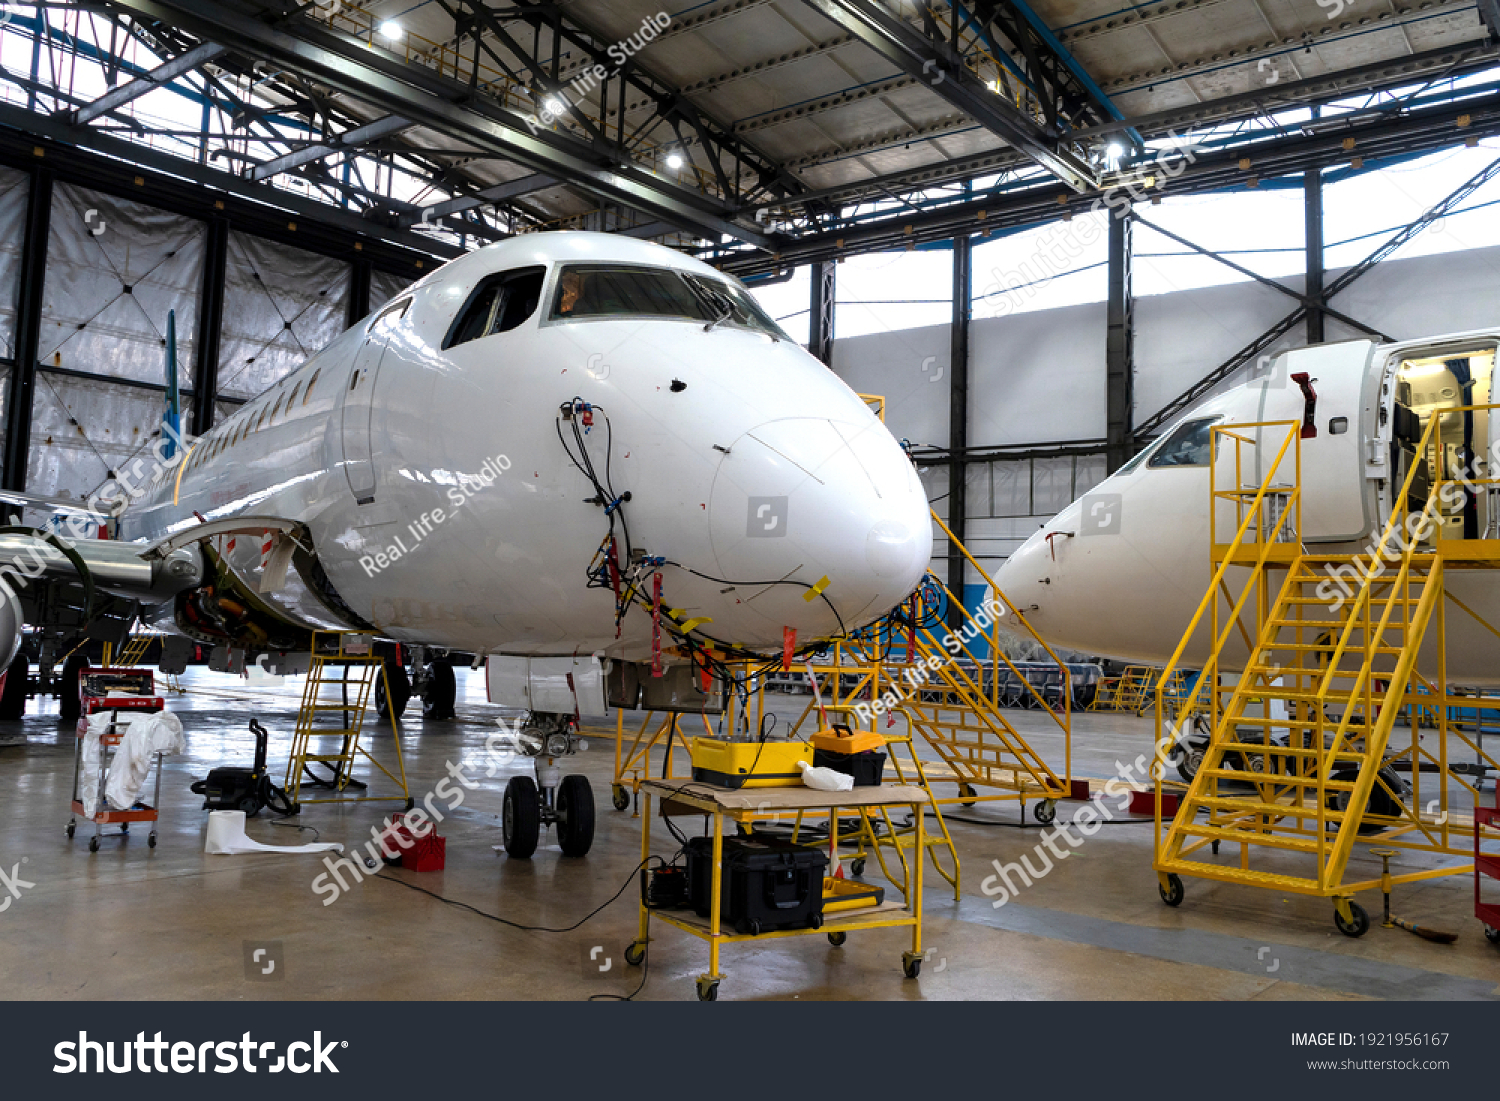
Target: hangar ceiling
(758,132)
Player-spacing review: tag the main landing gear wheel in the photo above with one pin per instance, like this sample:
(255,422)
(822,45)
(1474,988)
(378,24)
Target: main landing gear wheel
(1045,812)
(635,953)
(1171,891)
(619,796)
(1358,923)
(575,815)
(708,990)
(521,817)
(400,683)
(69,706)
(439,692)
(911,964)
(13,696)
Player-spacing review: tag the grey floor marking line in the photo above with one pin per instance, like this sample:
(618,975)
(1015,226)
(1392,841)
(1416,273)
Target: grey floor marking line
(1305,966)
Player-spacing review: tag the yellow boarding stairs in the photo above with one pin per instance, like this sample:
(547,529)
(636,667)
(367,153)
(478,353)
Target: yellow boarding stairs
(1295,789)
(337,693)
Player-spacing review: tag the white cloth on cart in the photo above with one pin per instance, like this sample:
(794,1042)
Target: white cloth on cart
(142,736)
(226,837)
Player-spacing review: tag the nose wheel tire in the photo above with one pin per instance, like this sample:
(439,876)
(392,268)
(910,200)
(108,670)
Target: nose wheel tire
(439,692)
(1045,812)
(1358,923)
(619,796)
(1171,892)
(575,815)
(521,817)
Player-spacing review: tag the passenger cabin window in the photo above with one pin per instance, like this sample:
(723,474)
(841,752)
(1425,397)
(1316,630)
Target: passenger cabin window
(600,290)
(1190,444)
(499,304)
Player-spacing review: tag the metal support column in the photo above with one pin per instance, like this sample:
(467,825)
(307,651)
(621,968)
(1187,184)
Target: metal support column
(210,325)
(1119,346)
(820,312)
(29,305)
(1312,190)
(958,416)
(359,293)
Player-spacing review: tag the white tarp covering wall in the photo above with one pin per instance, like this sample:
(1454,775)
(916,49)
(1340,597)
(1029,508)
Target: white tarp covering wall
(385,286)
(281,304)
(15,187)
(114,270)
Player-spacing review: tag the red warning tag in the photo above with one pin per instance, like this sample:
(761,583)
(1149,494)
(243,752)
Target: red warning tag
(788,647)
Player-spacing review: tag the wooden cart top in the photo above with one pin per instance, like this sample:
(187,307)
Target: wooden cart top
(769,800)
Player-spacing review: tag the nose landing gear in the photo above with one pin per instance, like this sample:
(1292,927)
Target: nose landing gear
(552,798)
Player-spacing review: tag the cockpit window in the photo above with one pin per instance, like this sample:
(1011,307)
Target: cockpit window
(599,290)
(498,304)
(1189,444)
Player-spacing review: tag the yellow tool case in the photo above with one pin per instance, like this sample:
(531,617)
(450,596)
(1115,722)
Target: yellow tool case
(840,739)
(749,764)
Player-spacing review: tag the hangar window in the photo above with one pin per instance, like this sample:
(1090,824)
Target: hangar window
(1189,444)
(499,304)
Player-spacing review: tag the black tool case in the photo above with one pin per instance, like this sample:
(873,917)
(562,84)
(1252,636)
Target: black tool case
(867,768)
(767,883)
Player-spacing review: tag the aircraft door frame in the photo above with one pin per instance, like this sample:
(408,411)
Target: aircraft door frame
(358,405)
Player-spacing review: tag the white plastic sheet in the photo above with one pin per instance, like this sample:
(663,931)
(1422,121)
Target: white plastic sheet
(825,779)
(226,837)
(142,736)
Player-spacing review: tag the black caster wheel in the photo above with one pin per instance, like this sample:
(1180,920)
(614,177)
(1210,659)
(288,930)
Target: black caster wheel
(521,817)
(815,922)
(1214,848)
(411,804)
(635,953)
(1358,924)
(858,867)
(93,844)
(837,939)
(151,840)
(124,827)
(619,796)
(1172,893)
(1492,935)
(911,964)
(967,793)
(1045,812)
(708,990)
(71,830)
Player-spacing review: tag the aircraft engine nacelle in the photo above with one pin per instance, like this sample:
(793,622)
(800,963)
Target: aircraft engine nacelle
(11,623)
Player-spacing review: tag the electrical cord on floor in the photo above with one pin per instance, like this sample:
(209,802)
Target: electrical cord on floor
(282,821)
(531,928)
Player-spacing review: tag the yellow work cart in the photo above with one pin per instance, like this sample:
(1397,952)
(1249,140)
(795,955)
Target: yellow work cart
(745,806)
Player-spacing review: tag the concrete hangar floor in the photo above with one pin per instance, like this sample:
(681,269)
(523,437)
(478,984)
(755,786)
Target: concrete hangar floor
(130,922)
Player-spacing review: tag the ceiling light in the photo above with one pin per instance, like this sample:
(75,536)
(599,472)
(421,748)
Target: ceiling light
(674,160)
(554,105)
(1115,151)
(391,30)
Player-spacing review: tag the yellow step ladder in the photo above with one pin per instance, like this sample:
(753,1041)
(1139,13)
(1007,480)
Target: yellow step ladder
(335,698)
(1302,764)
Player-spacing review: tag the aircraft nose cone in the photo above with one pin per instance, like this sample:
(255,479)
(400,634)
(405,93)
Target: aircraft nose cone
(807,499)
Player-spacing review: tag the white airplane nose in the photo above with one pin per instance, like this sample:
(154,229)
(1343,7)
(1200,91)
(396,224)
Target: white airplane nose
(831,504)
